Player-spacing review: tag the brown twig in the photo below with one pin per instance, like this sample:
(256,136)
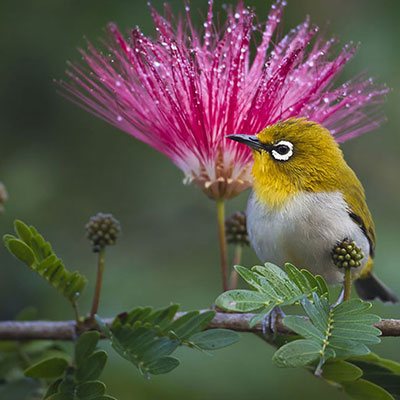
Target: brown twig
(67,330)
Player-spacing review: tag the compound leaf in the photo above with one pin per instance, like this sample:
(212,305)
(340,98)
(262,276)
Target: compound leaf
(341,331)
(148,337)
(31,248)
(272,287)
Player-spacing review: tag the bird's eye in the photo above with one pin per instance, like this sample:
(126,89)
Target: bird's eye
(282,150)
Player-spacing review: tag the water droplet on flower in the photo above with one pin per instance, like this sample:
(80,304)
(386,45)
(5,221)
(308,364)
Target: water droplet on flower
(237,15)
(326,100)
(156,64)
(118,83)
(119,118)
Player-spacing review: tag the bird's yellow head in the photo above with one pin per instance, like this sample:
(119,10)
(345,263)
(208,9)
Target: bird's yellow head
(293,156)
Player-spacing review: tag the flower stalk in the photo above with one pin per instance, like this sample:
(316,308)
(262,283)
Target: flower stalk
(99,282)
(222,243)
(347,284)
(237,258)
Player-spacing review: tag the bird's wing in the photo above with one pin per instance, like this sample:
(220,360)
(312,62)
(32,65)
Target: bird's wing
(354,196)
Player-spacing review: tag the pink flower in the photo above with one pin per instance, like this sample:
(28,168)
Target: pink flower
(184,91)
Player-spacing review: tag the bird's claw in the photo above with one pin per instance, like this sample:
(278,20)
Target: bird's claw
(340,299)
(269,324)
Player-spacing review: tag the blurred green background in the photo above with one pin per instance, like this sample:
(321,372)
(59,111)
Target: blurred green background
(61,165)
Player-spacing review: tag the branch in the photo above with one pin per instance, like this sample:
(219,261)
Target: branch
(67,330)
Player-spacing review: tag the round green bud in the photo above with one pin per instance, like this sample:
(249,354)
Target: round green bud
(102,230)
(236,229)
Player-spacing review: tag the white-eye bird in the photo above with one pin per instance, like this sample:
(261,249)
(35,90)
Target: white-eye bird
(305,201)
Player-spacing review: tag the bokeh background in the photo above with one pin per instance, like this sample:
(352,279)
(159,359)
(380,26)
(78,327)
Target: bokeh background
(61,165)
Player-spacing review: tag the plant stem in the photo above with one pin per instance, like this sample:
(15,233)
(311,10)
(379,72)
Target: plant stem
(76,310)
(347,284)
(99,281)
(222,243)
(237,257)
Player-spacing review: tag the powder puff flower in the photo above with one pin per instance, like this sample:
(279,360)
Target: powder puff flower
(185,90)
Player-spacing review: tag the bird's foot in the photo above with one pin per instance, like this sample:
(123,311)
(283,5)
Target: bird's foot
(339,299)
(269,324)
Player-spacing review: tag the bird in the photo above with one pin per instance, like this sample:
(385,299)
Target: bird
(307,203)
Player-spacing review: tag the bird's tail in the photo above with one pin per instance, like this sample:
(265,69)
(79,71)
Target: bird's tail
(370,288)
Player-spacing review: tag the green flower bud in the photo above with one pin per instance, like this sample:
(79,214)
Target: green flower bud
(347,255)
(102,230)
(236,230)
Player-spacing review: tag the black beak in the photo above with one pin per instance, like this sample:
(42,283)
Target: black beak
(251,141)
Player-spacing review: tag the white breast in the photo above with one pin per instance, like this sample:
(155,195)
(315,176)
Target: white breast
(304,232)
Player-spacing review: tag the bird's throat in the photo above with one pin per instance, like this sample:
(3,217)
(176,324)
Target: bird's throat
(272,192)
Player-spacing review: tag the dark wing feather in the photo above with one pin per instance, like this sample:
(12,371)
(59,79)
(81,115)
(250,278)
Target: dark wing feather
(354,196)
(357,219)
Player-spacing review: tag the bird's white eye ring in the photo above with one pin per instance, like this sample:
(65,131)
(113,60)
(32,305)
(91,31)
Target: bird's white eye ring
(282,150)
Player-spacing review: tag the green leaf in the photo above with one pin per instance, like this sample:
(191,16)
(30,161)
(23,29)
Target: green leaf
(85,346)
(23,231)
(272,287)
(298,353)
(148,337)
(364,390)
(279,280)
(185,327)
(92,367)
(375,359)
(47,369)
(240,300)
(52,389)
(79,381)
(380,371)
(214,339)
(163,365)
(27,314)
(256,281)
(342,332)
(304,283)
(33,250)
(303,327)
(90,390)
(341,371)
(21,251)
